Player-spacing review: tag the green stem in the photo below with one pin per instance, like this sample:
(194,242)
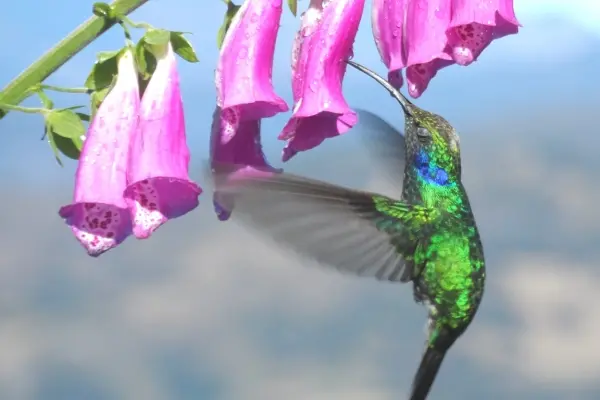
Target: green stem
(137,25)
(66,90)
(18,89)
(127,33)
(28,110)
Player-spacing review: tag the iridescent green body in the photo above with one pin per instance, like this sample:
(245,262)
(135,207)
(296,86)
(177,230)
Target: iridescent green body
(449,263)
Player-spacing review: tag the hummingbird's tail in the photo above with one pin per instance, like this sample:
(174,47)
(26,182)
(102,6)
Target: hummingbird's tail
(428,369)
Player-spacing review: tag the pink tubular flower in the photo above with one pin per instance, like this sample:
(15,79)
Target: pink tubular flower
(244,68)
(425,36)
(387,23)
(235,142)
(159,187)
(321,47)
(476,23)
(98,215)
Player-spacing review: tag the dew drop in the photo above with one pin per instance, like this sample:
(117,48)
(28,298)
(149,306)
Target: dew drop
(297,105)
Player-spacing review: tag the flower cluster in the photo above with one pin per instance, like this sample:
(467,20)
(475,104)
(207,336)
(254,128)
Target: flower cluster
(424,36)
(133,170)
(421,36)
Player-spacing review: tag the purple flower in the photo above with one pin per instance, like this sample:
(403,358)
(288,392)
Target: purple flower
(321,47)
(98,215)
(387,23)
(426,42)
(235,142)
(425,36)
(245,65)
(159,187)
(475,24)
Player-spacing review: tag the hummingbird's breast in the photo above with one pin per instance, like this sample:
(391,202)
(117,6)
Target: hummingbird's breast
(452,272)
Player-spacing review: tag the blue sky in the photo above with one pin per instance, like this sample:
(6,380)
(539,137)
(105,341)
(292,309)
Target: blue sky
(216,311)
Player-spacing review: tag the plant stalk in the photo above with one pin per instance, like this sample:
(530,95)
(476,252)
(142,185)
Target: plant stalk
(18,89)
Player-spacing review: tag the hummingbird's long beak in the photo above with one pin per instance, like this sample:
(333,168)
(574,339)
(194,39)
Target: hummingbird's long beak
(404,102)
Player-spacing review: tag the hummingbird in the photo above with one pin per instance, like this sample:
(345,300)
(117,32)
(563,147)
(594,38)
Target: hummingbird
(428,236)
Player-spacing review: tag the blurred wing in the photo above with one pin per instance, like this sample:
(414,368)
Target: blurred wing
(386,146)
(356,232)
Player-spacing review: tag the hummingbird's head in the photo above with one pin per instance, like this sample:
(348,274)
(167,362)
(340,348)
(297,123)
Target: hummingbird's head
(429,137)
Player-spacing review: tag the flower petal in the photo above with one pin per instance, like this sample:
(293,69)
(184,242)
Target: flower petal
(234,142)
(159,187)
(308,133)
(320,110)
(418,76)
(244,68)
(97,226)
(426,41)
(98,215)
(387,22)
(475,24)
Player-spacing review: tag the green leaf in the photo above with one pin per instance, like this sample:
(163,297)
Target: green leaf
(107,55)
(65,123)
(140,59)
(183,47)
(96,99)
(83,117)
(157,37)
(103,71)
(70,147)
(48,133)
(293,5)
(232,9)
(145,60)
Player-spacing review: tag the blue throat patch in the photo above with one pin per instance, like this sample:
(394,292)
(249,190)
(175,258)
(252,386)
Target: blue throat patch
(430,172)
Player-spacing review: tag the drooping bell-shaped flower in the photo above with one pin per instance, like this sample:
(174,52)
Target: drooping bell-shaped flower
(159,187)
(424,36)
(387,24)
(235,142)
(426,42)
(475,23)
(322,45)
(245,64)
(98,215)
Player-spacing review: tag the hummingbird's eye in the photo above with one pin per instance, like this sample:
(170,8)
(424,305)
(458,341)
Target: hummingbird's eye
(423,134)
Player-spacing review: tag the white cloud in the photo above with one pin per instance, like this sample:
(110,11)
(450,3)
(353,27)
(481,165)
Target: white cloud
(553,31)
(584,14)
(196,294)
(557,307)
